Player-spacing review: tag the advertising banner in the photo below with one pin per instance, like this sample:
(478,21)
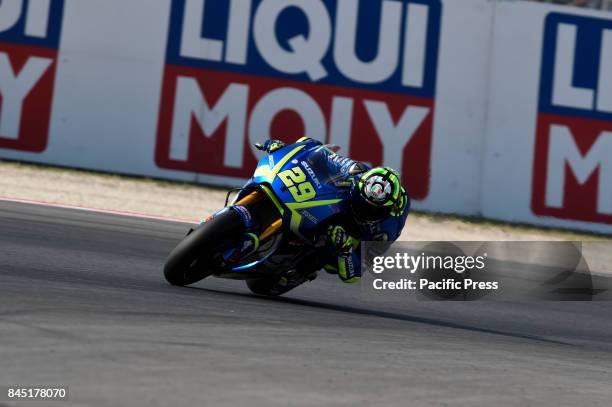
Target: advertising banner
(553,166)
(240,72)
(29,42)
(480,117)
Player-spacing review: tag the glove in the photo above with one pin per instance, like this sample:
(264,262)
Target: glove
(340,239)
(270,146)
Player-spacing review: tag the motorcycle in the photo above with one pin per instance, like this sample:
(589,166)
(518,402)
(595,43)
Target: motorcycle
(270,234)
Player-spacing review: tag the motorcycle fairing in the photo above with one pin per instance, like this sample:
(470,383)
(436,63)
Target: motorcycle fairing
(308,197)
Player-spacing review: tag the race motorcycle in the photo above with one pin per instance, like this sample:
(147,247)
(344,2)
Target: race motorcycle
(271,234)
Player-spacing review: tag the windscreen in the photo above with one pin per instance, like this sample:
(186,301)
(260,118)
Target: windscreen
(319,161)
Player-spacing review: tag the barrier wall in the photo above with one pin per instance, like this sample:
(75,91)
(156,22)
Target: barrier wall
(548,156)
(495,109)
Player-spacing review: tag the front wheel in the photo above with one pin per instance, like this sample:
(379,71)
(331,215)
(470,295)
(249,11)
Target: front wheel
(191,261)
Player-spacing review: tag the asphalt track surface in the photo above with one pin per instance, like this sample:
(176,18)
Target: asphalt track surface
(83,304)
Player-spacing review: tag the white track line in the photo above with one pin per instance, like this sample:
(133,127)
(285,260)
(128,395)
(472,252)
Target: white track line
(98,210)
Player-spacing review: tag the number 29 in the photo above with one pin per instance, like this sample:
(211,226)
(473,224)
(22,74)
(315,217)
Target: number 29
(295,181)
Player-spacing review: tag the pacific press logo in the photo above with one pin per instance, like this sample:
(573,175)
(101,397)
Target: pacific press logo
(573,151)
(29,41)
(355,73)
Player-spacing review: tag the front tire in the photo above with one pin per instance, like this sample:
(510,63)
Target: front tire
(191,259)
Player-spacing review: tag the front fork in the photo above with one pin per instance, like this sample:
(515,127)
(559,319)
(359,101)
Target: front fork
(261,222)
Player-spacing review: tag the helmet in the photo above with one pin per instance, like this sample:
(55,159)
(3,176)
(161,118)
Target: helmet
(376,194)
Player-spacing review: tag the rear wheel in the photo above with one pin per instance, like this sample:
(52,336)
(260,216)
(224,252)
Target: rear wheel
(191,260)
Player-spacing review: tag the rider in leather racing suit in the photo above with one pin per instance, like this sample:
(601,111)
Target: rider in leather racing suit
(379,208)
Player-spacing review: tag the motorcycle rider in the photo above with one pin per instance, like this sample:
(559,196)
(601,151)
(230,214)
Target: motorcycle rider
(379,208)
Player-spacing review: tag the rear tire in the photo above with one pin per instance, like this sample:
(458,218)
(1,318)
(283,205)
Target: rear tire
(190,261)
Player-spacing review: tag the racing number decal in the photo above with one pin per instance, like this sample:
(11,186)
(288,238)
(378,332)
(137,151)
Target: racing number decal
(295,181)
